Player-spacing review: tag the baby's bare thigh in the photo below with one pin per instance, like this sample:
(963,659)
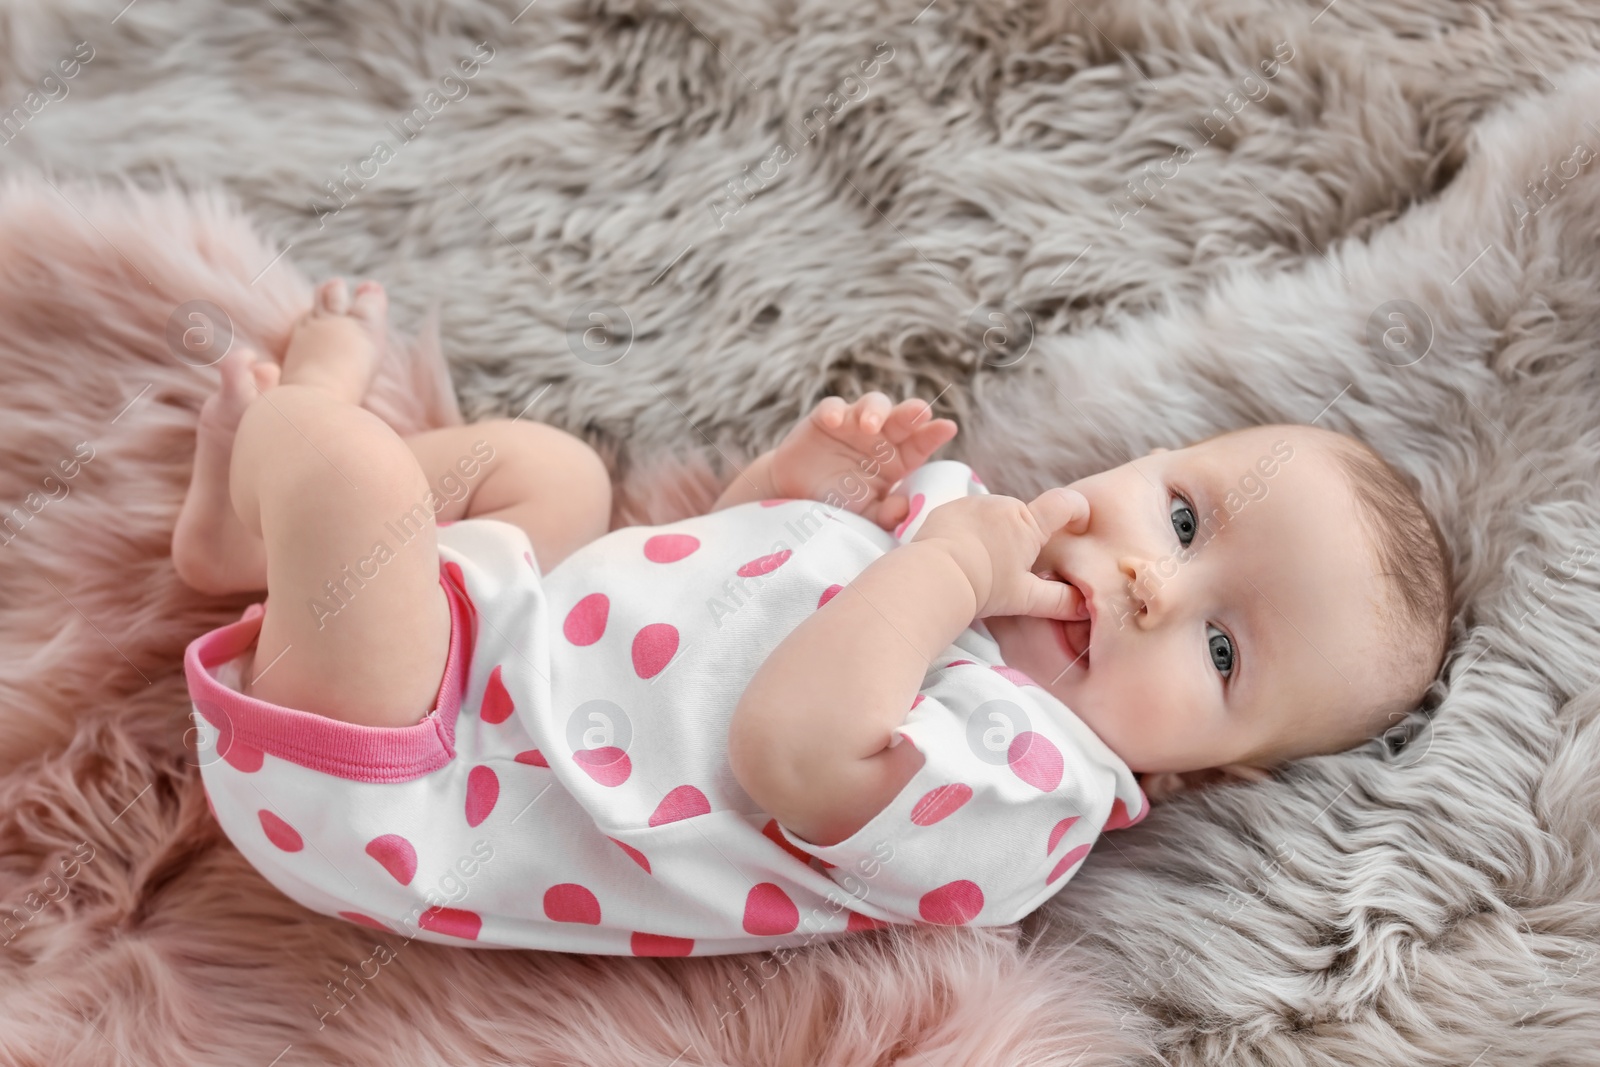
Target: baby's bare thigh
(357,626)
(545,480)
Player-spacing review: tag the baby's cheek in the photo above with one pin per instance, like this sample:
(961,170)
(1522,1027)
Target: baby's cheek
(1136,711)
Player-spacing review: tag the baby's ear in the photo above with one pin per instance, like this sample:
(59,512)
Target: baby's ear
(1167,783)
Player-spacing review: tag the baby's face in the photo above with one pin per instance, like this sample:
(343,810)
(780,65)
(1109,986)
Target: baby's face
(1232,606)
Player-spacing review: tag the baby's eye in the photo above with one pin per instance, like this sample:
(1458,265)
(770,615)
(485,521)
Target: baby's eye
(1183,520)
(1222,653)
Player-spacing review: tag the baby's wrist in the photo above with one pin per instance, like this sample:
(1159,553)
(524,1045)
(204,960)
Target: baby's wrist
(760,472)
(968,561)
(784,483)
(751,484)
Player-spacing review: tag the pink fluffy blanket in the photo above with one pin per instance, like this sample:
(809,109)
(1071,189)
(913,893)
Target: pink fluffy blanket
(130,929)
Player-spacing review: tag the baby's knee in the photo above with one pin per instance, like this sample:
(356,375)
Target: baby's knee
(303,450)
(560,467)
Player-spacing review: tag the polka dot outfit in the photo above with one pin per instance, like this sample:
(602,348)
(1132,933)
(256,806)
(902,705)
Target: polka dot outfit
(570,790)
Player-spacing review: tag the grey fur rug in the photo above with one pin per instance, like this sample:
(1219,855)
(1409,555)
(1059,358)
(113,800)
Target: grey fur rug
(1088,227)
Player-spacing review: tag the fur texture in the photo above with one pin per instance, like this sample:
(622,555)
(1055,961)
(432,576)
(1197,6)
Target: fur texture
(1429,900)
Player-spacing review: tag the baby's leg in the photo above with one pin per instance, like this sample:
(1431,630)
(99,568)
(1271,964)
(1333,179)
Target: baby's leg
(317,477)
(211,549)
(542,479)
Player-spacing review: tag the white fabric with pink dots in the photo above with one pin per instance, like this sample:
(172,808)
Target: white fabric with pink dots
(571,791)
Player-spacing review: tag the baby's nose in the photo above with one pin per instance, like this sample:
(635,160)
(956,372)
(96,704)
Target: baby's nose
(1144,585)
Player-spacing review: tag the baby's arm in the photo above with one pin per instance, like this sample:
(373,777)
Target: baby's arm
(809,740)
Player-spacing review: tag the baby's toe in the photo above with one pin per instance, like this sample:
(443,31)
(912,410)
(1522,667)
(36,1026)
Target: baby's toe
(371,303)
(266,374)
(333,297)
(236,378)
(234,392)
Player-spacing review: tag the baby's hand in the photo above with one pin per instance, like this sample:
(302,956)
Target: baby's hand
(855,452)
(996,541)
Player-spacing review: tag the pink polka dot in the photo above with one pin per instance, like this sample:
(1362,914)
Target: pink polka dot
(396,854)
(608,765)
(828,594)
(586,622)
(957,663)
(240,756)
(1059,832)
(533,758)
(633,854)
(453,571)
(670,548)
(453,922)
(661,945)
(364,920)
(858,921)
(952,904)
(1072,857)
(279,832)
(483,789)
(911,515)
(919,698)
(769,912)
(244,757)
(497,706)
(775,835)
(775,502)
(529,557)
(1035,760)
(234,752)
(976,480)
(570,902)
(940,803)
(1119,818)
(653,648)
(1015,676)
(684,802)
(765,564)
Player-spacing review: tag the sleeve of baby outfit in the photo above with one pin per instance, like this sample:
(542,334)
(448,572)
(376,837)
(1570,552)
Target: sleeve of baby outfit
(929,486)
(1012,793)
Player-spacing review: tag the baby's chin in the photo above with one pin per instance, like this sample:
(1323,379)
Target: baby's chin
(1034,647)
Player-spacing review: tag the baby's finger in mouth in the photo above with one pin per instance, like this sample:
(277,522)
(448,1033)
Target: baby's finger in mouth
(1054,599)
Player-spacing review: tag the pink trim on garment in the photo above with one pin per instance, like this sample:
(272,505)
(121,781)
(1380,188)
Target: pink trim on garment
(358,753)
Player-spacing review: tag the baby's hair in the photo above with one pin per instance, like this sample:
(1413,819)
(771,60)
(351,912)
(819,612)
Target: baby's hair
(1410,548)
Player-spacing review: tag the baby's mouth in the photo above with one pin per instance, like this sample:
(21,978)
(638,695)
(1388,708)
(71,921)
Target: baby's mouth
(1076,635)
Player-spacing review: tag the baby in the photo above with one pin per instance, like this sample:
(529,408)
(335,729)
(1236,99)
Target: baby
(465,712)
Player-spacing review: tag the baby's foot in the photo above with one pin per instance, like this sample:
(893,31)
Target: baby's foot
(337,344)
(212,551)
